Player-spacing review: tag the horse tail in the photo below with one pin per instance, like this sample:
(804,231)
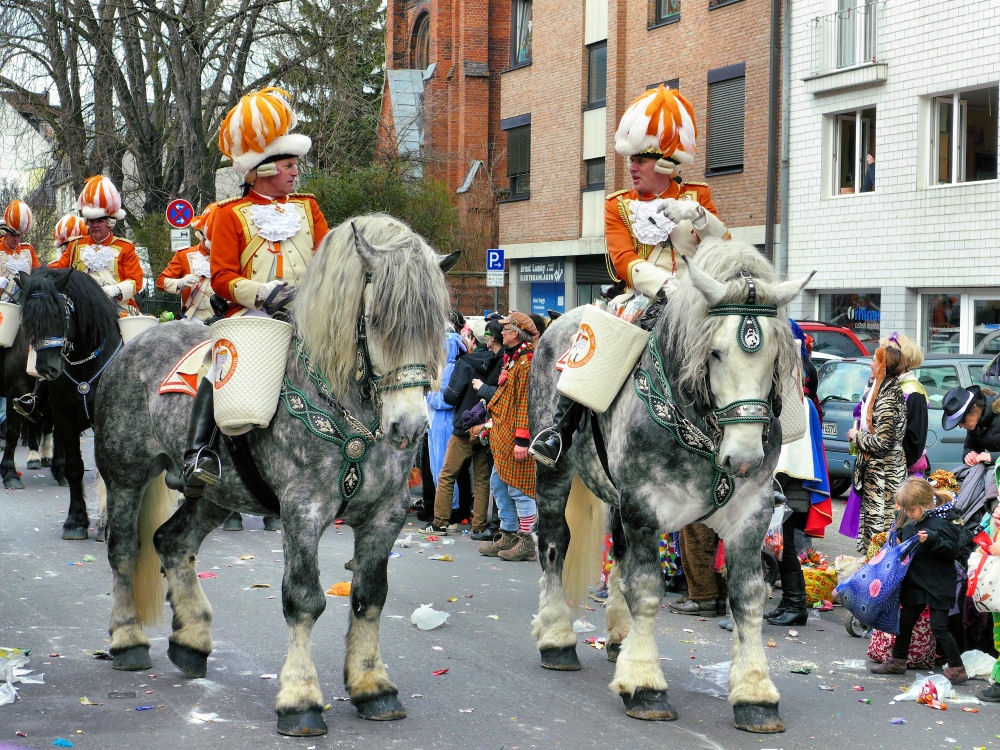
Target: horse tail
(147,582)
(587,519)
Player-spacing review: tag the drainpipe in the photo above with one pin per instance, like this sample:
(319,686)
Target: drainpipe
(774,69)
(786,90)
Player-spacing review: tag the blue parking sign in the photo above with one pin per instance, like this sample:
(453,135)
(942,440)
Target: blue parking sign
(494,260)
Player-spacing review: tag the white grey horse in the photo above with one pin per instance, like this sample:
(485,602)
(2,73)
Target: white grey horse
(692,436)
(368,319)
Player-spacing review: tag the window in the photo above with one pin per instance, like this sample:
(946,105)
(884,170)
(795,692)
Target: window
(670,83)
(520,32)
(964,137)
(597,74)
(854,143)
(420,43)
(519,159)
(664,11)
(720,3)
(595,174)
(942,315)
(726,109)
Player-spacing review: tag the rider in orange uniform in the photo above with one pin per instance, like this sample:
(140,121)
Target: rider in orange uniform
(188,273)
(261,241)
(647,227)
(15,256)
(111,261)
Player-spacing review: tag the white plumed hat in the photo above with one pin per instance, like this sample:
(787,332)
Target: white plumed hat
(100,198)
(659,123)
(17,217)
(257,128)
(68,227)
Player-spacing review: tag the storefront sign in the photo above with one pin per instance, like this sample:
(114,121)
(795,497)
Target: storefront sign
(551,270)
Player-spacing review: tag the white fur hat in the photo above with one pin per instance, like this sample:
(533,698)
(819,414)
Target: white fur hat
(257,128)
(100,198)
(17,217)
(659,123)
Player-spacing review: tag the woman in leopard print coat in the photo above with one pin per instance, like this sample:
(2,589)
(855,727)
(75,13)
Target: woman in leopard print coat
(880,466)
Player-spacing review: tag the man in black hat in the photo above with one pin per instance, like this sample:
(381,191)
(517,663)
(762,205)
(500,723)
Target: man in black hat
(977,413)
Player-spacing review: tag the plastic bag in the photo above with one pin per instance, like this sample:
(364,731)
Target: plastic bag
(717,674)
(942,687)
(978,664)
(775,539)
(427,618)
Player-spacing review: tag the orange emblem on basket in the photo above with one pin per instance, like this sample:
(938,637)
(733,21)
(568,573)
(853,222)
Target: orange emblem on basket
(583,347)
(225,361)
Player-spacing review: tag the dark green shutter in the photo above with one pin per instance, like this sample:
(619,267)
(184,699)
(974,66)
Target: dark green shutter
(726,109)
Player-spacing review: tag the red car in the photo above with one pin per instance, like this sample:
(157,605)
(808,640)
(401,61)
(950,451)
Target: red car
(835,340)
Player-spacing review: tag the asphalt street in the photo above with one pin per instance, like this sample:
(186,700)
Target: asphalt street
(54,600)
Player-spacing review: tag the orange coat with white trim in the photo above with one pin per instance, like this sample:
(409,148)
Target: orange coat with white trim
(179,267)
(243,258)
(113,261)
(624,250)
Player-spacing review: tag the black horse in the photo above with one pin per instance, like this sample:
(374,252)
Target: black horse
(73,327)
(14,382)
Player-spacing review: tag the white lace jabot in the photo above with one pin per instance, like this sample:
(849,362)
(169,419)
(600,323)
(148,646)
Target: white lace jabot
(199,264)
(276,221)
(649,224)
(19,262)
(97,257)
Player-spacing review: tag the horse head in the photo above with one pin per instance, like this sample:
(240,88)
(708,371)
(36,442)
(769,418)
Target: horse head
(732,341)
(383,286)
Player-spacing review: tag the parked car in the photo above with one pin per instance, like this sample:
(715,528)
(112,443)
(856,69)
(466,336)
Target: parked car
(842,383)
(831,339)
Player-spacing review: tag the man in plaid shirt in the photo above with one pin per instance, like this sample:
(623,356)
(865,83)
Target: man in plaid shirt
(513,478)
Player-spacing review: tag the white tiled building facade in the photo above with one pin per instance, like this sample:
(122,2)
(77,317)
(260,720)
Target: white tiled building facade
(919,253)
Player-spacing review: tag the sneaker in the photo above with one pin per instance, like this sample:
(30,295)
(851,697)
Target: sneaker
(485,535)
(430,529)
(990,693)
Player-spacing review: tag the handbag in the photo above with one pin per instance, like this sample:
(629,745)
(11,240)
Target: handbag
(872,594)
(984,576)
(476,415)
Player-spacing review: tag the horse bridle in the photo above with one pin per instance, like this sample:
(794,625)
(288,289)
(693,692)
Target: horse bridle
(413,375)
(64,344)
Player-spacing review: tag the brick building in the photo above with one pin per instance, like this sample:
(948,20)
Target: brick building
(440,112)
(573,69)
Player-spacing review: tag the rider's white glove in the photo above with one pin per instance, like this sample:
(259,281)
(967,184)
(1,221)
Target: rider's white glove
(4,281)
(112,291)
(679,210)
(266,288)
(187,281)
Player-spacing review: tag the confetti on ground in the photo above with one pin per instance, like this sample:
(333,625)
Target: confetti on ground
(492,617)
(453,599)
(801,670)
(260,585)
(269,676)
(466,710)
(60,742)
(343,588)
(87,702)
(207,575)
(970,710)
(771,643)
(443,558)
(897,720)
(439,672)
(864,700)
(246,557)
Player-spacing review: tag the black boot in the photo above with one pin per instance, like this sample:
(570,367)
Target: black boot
(201,463)
(793,596)
(552,442)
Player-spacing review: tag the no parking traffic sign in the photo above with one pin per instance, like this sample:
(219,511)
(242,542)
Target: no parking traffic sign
(179,213)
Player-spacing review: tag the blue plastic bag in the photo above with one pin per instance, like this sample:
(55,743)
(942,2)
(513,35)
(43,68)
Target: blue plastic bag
(872,593)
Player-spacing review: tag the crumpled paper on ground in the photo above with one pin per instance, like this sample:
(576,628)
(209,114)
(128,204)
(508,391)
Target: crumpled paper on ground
(12,662)
(427,618)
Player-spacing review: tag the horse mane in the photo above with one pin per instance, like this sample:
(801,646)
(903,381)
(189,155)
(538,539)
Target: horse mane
(690,329)
(409,299)
(95,314)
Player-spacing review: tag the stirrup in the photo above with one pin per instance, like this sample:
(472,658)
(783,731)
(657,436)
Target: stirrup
(25,406)
(204,476)
(541,458)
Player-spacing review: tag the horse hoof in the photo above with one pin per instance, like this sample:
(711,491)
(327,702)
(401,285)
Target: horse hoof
(62,481)
(758,717)
(191,662)
(46,463)
(233,523)
(13,483)
(131,659)
(384,707)
(36,464)
(613,649)
(562,658)
(272,523)
(649,705)
(99,535)
(74,533)
(302,723)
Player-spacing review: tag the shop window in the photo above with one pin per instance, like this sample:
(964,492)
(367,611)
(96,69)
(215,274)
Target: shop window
(726,112)
(420,43)
(986,326)
(964,137)
(521,32)
(859,312)
(854,152)
(664,11)
(597,74)
(941,315)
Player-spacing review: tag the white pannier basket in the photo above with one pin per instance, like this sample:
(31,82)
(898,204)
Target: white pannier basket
(132,325)
(603,353)
(248,361)
(10,321)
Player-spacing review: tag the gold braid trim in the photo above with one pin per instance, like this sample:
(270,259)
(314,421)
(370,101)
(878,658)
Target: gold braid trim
(641,250)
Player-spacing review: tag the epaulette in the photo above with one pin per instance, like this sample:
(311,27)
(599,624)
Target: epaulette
(615,195)
(302,195)
(699,184)
(227,201)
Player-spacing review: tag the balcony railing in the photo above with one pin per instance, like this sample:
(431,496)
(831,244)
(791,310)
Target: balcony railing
(846,38)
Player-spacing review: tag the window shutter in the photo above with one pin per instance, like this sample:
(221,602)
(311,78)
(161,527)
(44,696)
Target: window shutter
(726,109)
(519,150)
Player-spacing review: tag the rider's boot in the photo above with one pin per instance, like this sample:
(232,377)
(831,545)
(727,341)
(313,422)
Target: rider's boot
(552,442)
(201,463)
